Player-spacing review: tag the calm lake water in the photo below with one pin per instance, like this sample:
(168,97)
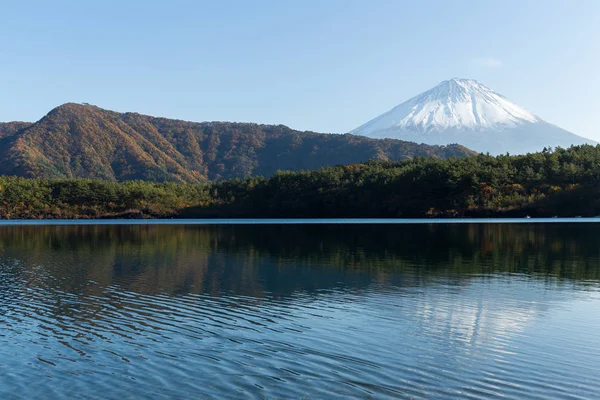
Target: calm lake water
(300,311)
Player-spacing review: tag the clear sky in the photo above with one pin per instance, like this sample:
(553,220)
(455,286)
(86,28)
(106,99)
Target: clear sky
(322,65)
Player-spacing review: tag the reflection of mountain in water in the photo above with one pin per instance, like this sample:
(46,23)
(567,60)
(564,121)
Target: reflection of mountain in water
(478,316)
(407,311)
(278,260)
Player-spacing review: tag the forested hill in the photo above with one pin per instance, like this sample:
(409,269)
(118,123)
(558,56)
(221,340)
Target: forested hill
(10,128)
(84,141)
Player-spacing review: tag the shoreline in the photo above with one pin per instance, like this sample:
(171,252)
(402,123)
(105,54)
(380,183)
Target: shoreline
(295,221)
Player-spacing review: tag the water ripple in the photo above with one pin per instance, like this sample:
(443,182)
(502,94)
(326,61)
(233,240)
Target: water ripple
(258,327)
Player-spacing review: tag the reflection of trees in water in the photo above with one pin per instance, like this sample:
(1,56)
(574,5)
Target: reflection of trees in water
(257,260)
(77,285)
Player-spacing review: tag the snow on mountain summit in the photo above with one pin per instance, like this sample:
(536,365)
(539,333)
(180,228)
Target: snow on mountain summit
(467,112)
(456,103)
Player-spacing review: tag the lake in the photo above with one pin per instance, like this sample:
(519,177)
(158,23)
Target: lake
(324,310)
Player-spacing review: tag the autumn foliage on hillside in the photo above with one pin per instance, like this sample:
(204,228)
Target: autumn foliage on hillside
(11,128)
(84,141)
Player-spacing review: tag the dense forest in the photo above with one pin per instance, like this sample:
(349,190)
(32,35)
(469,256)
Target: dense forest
(84,141)
(561,182)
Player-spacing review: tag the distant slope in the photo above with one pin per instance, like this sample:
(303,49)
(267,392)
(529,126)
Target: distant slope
(465,111)
(85,141)
(10,128)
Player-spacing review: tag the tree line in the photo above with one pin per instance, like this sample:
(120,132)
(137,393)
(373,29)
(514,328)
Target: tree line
(554,182)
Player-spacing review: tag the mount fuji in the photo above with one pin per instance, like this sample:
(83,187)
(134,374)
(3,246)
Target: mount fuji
(466,112)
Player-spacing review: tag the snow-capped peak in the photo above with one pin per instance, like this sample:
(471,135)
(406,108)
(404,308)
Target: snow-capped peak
(466,112)
(452,104)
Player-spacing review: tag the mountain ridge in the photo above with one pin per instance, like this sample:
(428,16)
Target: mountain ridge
(467,112)
(85,141)
(10,128)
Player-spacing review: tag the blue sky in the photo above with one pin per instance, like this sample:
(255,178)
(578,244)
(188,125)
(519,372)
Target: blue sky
(324,65)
